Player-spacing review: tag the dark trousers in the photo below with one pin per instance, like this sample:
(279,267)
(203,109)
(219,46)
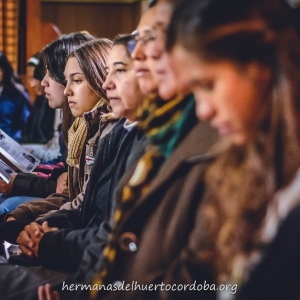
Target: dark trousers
(21,283)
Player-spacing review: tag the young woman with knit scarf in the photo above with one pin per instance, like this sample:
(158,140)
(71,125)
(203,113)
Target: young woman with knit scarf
(84,75)
(31,186)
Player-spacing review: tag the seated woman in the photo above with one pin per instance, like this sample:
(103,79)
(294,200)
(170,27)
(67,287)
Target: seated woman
(27,186)
(40,134)
(243,67)
(14,101)
(84,75)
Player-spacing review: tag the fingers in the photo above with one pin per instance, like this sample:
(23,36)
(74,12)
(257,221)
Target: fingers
(55,295)
(46,228)
(34,229)
(42,293)
(25,239)
(25,243)
(26,251)
(45,293)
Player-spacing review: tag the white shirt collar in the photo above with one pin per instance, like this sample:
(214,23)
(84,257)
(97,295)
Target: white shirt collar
(129,126)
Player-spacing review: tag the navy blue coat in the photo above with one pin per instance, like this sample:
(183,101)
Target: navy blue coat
(14,112)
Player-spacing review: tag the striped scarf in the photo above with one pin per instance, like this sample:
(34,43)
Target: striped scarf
(165,124)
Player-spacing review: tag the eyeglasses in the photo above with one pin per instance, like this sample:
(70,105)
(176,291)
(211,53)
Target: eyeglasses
(144,38)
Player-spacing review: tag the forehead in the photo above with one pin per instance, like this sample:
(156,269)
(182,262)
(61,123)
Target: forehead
(163,12)
(147,19)
(118,54)
(72,64)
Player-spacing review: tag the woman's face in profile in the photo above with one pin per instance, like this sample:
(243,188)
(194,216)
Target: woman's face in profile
(230,97)
(54,91)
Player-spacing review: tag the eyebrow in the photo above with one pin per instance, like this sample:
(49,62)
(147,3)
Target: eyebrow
(119,63)
(76,73)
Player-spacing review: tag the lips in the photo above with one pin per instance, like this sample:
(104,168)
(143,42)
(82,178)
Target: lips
(224,129)
(141,72)
(71,103)
(112,99)
(46,94)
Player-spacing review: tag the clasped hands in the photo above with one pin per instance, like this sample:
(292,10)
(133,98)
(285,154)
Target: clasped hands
(29,239)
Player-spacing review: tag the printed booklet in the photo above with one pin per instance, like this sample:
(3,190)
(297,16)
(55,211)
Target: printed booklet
(14,156)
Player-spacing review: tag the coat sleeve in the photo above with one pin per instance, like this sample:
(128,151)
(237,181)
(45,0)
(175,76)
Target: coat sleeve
(31,210)
(73,248)
(27,184)
(76,202)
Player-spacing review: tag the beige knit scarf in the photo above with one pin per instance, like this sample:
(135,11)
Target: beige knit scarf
(77,135)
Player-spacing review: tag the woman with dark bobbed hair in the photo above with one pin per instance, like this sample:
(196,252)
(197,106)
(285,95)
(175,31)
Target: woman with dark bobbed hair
(241,60)
(14,100)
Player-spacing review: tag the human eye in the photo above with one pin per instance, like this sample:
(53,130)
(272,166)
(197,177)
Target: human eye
(121,70)
(78,81)
(207,85)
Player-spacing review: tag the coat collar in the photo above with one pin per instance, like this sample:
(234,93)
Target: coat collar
(195,148)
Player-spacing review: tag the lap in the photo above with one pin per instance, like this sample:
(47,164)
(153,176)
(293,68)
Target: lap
(17,282)
(8,204)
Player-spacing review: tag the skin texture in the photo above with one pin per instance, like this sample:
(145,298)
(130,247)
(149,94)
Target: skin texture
(34,83)
(61,182)
(6,189)
(81,97)
(147,83)
(230,97)
(45,293)
(54,92)
(121,85)
(31,236)
(159,60)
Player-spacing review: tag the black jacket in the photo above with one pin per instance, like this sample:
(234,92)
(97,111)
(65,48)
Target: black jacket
(39,126)
(87,227)
(27,184)
(277,276)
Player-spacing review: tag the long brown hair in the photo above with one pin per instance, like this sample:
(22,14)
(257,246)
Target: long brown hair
(242,180)
(91,58)
(55,56)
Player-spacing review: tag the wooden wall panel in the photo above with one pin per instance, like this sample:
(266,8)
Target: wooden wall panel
(33,27)
(100,19)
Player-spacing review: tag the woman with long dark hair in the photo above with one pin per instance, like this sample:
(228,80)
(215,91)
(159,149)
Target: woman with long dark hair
(241,60)
(32,186)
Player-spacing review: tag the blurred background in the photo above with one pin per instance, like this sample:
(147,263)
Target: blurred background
(26,26)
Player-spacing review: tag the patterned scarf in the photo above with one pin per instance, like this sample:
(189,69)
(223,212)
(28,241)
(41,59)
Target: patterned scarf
(165,124)
(77,136)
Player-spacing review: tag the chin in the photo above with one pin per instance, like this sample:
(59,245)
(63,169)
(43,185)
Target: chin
(148,90)
(166,94)
(238,139)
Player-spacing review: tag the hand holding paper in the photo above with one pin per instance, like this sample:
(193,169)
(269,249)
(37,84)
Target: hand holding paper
(6,188)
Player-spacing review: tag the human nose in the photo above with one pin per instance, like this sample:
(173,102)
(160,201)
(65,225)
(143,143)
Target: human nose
(108,83)
(31,82)
(204,108)
(67,91)
(138,52)
(45,81)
